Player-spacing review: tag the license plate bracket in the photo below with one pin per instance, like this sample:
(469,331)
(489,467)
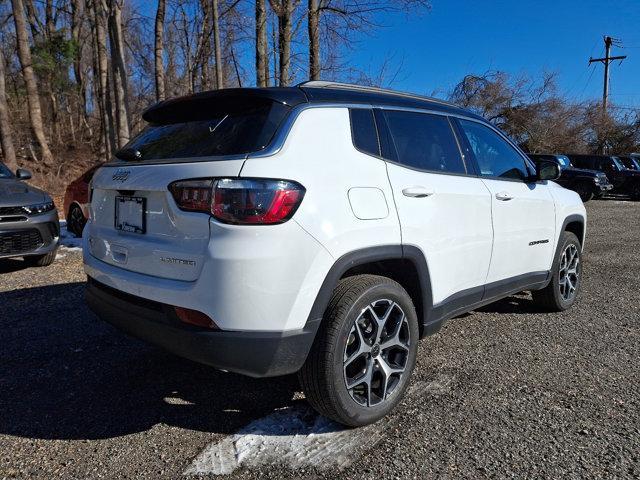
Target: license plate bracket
(130,214)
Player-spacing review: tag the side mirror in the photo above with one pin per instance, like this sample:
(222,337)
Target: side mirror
(23,174)
(547,170)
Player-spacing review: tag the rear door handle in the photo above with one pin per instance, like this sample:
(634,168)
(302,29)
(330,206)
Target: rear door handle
(417,192)
(504,196)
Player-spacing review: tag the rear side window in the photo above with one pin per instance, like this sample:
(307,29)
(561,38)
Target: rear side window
(423,141)
(363,131)
(228,131)
(4,171)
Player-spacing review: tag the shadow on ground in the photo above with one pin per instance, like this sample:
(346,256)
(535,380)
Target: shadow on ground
(9,265)
(64,374)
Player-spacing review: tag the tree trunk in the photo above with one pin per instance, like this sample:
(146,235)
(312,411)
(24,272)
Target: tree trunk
(101,77)
(262,68)
(119,72)
(159,50)
(314,40)
(77,13)
(6,139)
(33,99)
(284,10)
(216,44)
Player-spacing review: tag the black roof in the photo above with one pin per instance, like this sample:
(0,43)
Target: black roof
(308,92)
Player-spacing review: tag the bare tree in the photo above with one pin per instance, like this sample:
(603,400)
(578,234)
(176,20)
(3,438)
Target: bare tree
(262,60)
(284,11)
(101,76)
(77,13)
(33,98)
(216,44)
(159,50)
(314,39)
(6,138)
(119,71)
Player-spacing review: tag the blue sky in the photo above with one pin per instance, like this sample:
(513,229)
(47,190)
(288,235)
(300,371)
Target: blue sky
(458,37)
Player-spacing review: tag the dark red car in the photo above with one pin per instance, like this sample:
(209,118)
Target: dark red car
(76,201)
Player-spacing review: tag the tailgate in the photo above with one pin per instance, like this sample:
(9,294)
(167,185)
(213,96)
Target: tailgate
(173,243)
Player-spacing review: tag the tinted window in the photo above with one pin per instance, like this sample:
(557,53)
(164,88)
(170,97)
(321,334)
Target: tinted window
(4,171)
(363,131)
(495,157)
(424,141)
(229,132)
(617,163)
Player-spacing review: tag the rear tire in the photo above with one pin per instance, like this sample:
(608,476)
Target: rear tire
(562,291)
(585,191)
(41,260)
(364,352)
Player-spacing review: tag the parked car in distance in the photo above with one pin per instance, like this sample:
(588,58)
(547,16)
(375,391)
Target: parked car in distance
(322,229)
(29,226)
(586,183)
(631,162)
(625,181)
(76,201)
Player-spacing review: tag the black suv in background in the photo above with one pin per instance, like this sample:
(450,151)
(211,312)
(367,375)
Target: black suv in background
(625,181)
(586,183)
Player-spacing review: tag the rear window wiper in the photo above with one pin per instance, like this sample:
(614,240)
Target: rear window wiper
(129,154)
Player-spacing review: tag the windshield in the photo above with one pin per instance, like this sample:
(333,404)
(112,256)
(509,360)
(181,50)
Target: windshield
(563,161)
(232,131)
(618,163)
(630,163)
(4,171)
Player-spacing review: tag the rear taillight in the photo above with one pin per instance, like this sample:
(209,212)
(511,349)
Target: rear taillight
(240,201)
(192,195)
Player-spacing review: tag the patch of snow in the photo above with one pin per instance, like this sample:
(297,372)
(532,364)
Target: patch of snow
(296,437)
(68,241)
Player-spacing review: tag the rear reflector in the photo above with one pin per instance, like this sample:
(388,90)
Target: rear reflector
(195,317)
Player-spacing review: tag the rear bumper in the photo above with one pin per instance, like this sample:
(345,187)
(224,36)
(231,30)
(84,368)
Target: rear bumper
(256,354)
(36,235)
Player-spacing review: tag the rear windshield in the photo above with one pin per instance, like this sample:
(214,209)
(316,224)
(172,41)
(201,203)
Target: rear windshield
(4,171)
(224,131)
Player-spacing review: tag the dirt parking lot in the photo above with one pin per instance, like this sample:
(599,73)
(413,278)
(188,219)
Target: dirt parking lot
(501,392)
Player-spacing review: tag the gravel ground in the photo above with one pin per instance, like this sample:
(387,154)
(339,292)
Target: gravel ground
(501,392)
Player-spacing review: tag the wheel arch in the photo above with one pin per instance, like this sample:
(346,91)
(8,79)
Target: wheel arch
(575,224)
(404,264)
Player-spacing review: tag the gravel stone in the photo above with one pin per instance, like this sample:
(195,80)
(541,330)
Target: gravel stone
(512,392)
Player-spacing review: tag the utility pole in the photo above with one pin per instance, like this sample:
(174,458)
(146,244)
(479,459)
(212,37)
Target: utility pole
(608,41)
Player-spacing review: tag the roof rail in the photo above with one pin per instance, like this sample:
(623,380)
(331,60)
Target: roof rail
(351,86)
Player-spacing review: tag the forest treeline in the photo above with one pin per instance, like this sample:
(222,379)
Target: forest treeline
(75,75)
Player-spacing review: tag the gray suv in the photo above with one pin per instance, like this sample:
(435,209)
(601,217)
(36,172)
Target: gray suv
(29,225)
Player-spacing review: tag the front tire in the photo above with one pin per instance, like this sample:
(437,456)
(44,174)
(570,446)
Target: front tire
(76,220)
(562,291)
(364,353)
(41,260)
(585,191)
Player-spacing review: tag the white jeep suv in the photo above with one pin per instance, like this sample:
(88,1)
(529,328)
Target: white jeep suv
(322,229)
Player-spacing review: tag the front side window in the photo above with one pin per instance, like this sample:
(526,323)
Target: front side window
(495,157)
(423,141)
